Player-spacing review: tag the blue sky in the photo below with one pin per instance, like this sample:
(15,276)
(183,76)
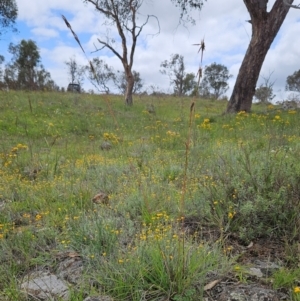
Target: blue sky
(222,24)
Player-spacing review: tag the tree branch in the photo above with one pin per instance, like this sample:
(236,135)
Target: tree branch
(133,34)
(136,35)
(285,2)
(122,36)
(103,11)
(110,48)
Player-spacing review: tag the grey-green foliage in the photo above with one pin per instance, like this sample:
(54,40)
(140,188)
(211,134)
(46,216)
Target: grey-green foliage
(25,70)
(8,15)
(264,94)
(75,71)
(101,76)
(120,82)
(261,191)
(215,81)
(185,7)
(293,82)
(184,83)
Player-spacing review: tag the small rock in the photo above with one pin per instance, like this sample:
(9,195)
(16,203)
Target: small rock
(71,269)
(45,286)
(31,173)
(99,298)
(248,293)
(105,145)
(2,203)
(255,272)
(100,198)
(236,296)
(267,268)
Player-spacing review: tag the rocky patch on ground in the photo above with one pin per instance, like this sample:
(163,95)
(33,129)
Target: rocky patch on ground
(244,292)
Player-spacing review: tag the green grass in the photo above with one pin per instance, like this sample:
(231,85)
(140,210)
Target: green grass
(234,174)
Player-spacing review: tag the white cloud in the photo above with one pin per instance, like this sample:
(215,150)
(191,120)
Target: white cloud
(35,11)
(44,32)
(221,23)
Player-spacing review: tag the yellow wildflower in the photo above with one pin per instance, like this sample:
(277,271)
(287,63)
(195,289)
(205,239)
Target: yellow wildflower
(231,215)
(296,289)
(38,217)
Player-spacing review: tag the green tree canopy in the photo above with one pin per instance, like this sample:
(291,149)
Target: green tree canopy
(215,81)
(75,71)
(293,82)
(8,15)
(120,82)
(182,82)
(25,70)
(101,75)
(26,56)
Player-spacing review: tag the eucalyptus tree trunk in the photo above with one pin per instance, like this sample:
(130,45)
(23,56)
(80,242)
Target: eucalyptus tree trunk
(129,88)
(265,26)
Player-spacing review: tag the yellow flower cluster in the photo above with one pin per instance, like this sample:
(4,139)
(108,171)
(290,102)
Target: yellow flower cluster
(157,229)
(173,134)
(7,158)
(178,119)
(292,111)
(242,113)
(21,146)
(205,124)
(111,137)
(231,214)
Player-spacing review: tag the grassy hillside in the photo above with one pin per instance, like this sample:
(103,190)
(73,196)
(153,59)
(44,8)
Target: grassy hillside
(184,187)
